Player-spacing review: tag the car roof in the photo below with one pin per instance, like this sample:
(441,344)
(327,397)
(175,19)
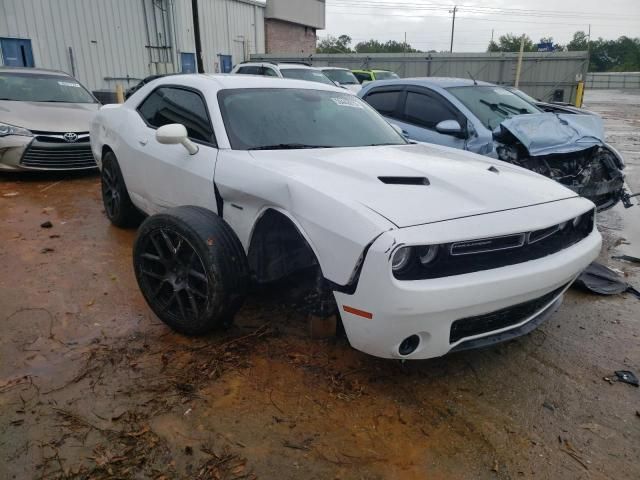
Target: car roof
(280,65)
(33,71)
(284,66)
(333,68)
(371,70)
(224,81)
(442,82)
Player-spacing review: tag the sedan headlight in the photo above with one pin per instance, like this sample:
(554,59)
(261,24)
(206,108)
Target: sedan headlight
(6,129)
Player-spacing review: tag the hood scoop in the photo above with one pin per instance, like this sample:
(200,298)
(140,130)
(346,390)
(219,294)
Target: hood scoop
(405,180)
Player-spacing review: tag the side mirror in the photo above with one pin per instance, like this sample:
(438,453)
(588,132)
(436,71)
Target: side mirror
(337,83)
(449,127)
(174,134)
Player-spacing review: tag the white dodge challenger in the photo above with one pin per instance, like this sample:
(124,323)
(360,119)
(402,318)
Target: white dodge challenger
(421,249)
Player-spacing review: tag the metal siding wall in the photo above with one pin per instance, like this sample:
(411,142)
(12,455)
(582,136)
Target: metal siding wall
(542,73)
(613,80)
(184,26)
(222,22)
(116,27)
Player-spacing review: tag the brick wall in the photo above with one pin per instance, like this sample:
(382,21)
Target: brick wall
(285,37)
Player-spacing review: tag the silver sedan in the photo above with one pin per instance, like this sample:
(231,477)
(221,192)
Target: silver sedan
(44,121)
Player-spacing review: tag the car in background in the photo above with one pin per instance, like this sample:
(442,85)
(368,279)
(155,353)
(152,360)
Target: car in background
(552,107)
(44,121)
(261,178)
(373,75)
(490,120)
(130,91)
(295,71)
(342,77)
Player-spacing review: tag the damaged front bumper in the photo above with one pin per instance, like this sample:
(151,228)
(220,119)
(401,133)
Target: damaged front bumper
(458,312)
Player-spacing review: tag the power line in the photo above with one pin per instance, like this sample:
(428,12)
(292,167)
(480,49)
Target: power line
(487,19)
(478,9)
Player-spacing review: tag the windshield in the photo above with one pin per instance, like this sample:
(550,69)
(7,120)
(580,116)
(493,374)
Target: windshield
(29,87)
(343,77)
(523,96)
(492,105)
(384,75)
(274,118)
(306,74)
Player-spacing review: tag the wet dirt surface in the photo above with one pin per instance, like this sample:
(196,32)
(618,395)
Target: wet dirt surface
(92,385)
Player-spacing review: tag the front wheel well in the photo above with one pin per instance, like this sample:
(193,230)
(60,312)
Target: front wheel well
(105,149)
(278,249)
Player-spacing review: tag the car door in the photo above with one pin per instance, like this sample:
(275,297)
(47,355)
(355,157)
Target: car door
(170,176)
(422,110)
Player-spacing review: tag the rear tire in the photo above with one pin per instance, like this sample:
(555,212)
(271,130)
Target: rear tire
(117,204)
(191,269)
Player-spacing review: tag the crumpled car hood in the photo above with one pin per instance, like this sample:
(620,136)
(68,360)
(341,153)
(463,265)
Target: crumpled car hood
(551,133)
(460,183)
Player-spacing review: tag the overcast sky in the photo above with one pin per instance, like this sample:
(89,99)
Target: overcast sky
(427,23)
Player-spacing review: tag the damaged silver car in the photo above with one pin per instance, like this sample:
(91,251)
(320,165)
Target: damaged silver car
(491,120)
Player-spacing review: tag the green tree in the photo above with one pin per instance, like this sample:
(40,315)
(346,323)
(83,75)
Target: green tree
(342,44)
(621,55)
(391,46)
(511,43)
(579,43)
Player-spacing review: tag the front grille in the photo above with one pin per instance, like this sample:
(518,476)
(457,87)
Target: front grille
(489,322)
(58,156)
(484,254)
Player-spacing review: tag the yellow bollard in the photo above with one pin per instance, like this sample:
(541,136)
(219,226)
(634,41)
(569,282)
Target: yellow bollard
(579,94)
(119,94)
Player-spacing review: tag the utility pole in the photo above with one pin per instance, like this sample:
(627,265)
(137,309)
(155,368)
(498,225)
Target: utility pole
(404,47)
(196,34)
(519,67)
(453,25)
(492,35)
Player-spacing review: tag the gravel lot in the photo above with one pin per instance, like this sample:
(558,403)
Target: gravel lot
(92,385)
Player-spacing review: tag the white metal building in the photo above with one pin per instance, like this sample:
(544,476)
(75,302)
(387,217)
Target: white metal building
(104,42)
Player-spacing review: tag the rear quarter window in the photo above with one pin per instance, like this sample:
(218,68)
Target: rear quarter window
(385,102)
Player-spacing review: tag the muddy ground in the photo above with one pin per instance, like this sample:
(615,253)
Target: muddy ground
(92,385)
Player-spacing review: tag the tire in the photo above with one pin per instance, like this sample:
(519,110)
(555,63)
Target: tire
(191,269)
(117,204)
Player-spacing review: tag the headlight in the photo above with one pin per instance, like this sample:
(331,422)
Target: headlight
(428,254)
(6,130)
(401,258)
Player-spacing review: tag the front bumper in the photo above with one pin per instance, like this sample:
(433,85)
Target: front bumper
(397,309)
(46,152)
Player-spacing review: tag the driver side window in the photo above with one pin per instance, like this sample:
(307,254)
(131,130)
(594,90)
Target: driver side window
(166,105)
(427,110)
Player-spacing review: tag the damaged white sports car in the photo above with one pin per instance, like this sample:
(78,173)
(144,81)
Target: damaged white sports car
(422,250)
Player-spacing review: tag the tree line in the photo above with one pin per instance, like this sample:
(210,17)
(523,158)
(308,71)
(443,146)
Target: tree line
(621,55)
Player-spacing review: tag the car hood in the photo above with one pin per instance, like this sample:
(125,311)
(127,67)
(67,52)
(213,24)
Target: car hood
(48,116)
(553,133)
(460,184)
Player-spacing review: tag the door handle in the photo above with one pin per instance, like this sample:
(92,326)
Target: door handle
(143,142)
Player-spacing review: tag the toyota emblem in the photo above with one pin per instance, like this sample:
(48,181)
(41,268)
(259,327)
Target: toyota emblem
(70,137)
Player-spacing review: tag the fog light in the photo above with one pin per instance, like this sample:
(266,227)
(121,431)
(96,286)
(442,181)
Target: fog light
(409,345)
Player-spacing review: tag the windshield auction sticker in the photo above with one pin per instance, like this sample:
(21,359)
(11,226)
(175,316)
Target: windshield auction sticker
(69,84)
(347,102)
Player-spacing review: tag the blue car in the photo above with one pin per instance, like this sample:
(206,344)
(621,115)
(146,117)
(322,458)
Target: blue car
(491,120)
